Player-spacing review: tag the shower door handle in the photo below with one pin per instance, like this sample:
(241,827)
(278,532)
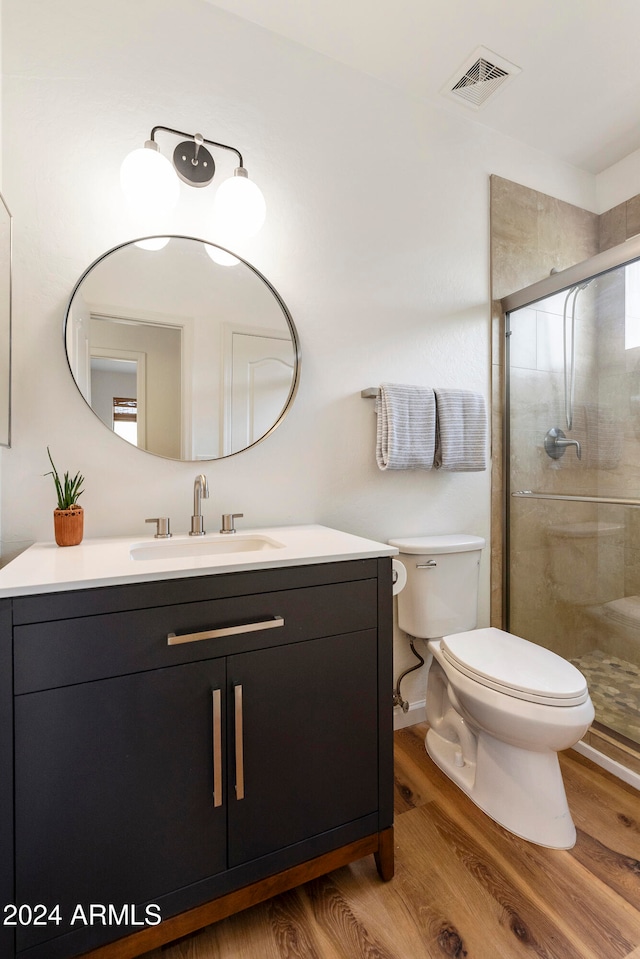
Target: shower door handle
(577,498)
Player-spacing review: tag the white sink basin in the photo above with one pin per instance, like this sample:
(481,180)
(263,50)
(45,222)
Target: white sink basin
(203,546)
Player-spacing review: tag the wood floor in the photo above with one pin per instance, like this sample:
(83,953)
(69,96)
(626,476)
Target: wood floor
(464,887)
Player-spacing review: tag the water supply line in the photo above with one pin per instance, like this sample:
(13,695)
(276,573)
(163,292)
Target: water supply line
(570,367)
(397,696)
(555,441)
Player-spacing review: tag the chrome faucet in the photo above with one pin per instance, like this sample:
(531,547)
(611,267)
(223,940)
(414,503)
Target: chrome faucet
(200,492)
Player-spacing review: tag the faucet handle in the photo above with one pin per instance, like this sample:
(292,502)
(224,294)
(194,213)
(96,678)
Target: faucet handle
(163,526)
(228,525)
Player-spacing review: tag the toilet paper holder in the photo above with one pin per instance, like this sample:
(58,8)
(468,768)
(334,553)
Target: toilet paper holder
(398,576)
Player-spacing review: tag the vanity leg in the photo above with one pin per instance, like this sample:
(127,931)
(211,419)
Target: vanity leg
(385,854)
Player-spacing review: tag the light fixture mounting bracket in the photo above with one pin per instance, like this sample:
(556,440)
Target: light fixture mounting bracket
(194,164)
(191,159)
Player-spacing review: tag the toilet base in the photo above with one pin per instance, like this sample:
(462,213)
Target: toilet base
(519,789)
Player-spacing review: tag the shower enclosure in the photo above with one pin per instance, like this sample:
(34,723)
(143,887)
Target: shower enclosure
(572,481)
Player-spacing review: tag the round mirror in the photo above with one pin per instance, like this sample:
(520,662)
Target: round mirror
(181,348)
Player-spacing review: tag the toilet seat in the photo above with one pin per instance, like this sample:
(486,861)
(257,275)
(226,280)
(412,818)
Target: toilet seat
(515,667)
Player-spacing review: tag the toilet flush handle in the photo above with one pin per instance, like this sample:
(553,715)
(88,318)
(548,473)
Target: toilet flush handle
(428,565)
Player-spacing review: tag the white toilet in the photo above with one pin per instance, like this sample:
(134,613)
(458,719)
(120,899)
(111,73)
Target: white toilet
(499,707)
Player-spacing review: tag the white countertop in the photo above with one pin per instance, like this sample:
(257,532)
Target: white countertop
(47,568)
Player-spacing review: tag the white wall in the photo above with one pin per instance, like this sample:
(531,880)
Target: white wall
(377,238)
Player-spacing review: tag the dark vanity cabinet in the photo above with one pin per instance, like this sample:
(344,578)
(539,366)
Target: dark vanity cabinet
(184,748)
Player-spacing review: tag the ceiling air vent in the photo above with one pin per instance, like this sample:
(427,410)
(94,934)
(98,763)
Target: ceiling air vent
(480,78)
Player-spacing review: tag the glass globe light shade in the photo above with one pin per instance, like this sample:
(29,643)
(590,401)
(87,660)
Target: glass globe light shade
(221,257)
(239,207)
(148,180)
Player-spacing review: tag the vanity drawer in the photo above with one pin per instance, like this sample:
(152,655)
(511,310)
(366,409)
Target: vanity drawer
(86,648)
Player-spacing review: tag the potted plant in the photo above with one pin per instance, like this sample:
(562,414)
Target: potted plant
(68,518)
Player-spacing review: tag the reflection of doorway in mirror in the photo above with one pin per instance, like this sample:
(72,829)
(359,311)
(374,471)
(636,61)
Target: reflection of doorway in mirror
(119,373)
(259,368)
(159,393)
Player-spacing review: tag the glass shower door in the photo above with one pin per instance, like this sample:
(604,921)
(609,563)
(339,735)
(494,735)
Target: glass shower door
(573,481)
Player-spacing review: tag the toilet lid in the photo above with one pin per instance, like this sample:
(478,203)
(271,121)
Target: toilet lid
(445,543)
(515,666)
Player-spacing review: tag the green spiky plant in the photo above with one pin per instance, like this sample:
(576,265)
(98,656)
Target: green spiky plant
(68,490)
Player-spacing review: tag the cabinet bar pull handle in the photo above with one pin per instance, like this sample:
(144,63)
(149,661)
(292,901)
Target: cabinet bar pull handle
(271,623)
(217,748)
(237,692)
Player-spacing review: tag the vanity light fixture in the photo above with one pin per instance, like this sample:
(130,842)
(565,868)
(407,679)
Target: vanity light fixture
(150,182)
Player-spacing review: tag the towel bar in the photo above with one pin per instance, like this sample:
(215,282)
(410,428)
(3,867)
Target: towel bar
(370,393)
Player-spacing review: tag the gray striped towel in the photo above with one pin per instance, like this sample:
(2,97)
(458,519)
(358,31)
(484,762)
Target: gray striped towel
(461,431)
(406,429)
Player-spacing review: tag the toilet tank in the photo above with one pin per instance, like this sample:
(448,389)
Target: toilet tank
(441,593)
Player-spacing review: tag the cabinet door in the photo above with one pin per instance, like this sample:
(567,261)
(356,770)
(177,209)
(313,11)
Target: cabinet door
(309,762)
(114,790)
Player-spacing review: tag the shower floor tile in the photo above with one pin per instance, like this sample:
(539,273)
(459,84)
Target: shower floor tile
(614,687)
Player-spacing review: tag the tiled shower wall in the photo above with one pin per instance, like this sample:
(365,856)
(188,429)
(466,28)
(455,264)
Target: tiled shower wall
(531,234)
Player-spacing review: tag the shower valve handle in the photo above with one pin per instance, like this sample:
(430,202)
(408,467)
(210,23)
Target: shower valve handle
(555,443)
(563,443)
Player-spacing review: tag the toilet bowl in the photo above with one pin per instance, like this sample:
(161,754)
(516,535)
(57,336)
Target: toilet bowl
(519,705)
(499,707)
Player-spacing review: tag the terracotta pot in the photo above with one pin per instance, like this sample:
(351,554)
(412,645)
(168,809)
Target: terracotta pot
(68,525)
